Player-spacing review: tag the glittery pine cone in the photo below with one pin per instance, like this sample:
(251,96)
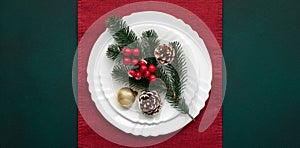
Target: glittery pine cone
(150,102)
(164,54)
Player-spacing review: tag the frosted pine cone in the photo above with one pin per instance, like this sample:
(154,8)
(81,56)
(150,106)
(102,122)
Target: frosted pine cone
(150,102)
(164,54)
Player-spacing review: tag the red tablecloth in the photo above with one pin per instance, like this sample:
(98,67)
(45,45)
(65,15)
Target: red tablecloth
(210,11)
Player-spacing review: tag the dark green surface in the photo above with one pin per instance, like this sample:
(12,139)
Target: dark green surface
(261,49)
(38,42)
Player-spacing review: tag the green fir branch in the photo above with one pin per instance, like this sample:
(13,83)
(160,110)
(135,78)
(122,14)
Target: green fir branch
(176,85)
(151,60)
(175,76)
(149,41)
(179,66)
(120,31)
(113,52)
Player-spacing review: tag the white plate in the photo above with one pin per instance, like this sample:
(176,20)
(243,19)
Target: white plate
(189,40)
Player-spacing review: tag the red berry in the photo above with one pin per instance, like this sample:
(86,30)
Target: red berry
(126,61)
(127,52)
(143,68)
(131,73)
(152,78)
(152,68)
(123,49)
(138,75)
(147,74)
(134,62)
(136,52)
(143,62)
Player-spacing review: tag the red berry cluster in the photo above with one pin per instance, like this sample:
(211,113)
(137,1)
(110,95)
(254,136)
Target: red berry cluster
(130,55)
(143,70)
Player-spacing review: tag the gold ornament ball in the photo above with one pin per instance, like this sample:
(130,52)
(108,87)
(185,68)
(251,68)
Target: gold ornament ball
(126,97)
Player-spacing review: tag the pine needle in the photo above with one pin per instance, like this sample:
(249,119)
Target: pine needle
(120,31)
(175,76)
(149,41)
(113,51)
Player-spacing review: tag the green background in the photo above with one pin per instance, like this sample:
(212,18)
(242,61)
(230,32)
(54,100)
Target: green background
(261,49)
(260,44)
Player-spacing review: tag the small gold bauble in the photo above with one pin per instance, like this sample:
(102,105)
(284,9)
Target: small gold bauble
(126,97)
